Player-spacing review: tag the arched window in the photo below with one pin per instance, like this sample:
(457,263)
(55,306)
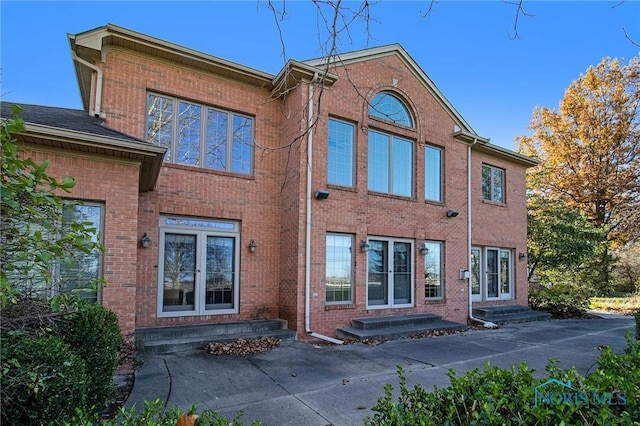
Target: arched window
(388,107)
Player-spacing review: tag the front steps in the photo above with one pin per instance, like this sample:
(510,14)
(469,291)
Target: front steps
(162,340)
(395,327)
(509,314)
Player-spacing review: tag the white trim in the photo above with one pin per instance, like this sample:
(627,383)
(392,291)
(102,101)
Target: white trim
(412,262)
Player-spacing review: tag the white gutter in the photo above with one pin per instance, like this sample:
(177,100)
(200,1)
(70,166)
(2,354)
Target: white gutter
(97,85)
(307,269)
(487,324)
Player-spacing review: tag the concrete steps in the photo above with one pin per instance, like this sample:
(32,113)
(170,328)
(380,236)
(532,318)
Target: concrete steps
(509,314)
(162,340)
(393,327)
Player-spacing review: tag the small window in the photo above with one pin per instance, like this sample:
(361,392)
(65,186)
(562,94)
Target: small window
(492,184)
(433,279)
(388,107)
(340,156)
(338,270)
(199,135)
(432,173)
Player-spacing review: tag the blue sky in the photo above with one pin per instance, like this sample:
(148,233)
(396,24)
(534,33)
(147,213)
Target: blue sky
(467,48)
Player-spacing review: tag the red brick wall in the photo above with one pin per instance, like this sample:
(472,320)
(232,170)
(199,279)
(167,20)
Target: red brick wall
(271,203)
(114,183)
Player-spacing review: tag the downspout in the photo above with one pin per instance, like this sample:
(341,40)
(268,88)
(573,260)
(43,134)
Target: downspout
(487,324)
(307,268)
(98,85)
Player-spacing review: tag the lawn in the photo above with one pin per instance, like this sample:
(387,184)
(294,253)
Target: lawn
(619,303)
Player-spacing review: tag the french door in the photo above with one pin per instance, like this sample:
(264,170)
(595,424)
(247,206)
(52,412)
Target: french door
(491,273)
(198,268)
(389,273)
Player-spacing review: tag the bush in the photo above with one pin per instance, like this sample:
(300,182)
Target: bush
(496,396)
(637,315)
(42,379)
(155,414)
(94,335)
(560,300)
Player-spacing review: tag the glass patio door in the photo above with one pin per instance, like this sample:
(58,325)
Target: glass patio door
(389,273)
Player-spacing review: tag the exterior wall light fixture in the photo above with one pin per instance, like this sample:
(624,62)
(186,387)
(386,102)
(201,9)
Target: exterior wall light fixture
(424,249)
(321,194)
(145,241)
(452,213)
(364,246)
(252,247)
(522,255)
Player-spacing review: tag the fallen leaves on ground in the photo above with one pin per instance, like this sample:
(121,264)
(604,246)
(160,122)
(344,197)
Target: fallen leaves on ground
(242,346)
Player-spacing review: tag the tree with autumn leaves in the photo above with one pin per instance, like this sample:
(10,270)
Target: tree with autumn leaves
(590,170)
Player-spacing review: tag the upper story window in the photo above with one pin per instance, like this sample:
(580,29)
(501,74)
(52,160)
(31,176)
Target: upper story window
(388,107)
(341,153)
(200,135)
(492,184)
(432,173)
(390,166)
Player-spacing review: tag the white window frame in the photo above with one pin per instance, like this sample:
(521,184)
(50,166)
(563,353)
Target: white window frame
(483,272)
(440,261)
(351,269)
(392,173)
(337,158)
(390,265)
(493,171)
(201,228)
(430,186)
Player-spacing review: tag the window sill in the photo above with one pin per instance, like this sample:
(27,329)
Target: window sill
(435,301)
(339,306)
(494,203)
(199,169)
(341,188)
(395,197)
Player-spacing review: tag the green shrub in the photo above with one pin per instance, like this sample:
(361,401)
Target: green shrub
(637,315)
(94,335)
(496,396)
(42,379)
(560,300)
(155,414)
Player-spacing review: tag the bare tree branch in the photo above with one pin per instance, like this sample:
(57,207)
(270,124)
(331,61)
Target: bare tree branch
(635,43)
(519,11)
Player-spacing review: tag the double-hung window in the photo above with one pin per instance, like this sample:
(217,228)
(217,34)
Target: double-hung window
(341,153)
(493,184)
(433,277)
(432,173)
(200,135)
(339,269)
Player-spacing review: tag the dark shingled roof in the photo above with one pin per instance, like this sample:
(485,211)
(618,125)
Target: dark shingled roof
(64,118)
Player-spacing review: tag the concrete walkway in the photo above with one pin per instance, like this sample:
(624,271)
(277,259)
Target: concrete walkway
(320,385)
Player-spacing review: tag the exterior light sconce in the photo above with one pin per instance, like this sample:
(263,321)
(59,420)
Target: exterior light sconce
(522,255)
(321,194)
(145,241)
(252,247)
(452,213)
(364,247)
(423,248)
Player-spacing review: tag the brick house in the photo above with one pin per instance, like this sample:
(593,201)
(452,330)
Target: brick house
(337,189)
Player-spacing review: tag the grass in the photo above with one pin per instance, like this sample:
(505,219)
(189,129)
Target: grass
(619,303)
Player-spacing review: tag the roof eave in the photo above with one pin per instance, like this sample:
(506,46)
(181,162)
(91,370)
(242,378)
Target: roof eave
(150,157)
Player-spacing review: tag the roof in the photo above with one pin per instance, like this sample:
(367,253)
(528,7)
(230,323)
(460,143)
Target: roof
(75,129)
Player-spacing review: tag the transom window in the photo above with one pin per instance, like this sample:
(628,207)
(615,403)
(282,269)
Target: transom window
(339,269)
(341,153)
(432,173)
(200,135)
(433,279)
(492,184)
(388,107)
(198,267)
(390,168)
